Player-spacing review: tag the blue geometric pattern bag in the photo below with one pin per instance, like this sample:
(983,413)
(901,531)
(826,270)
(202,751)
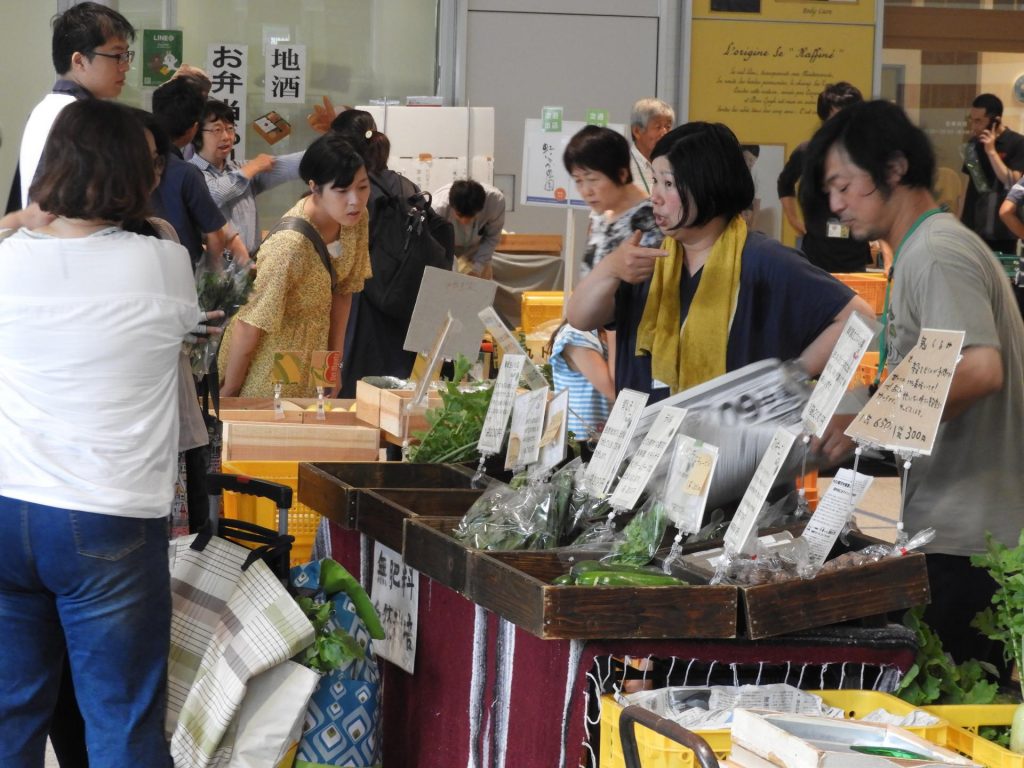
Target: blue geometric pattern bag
(342,725)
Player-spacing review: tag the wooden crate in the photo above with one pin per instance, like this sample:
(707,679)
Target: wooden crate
(384,408)
(381,512)
(517,586)
(432,550)
(342,440)
(295,410)
(334,489)
(891,584)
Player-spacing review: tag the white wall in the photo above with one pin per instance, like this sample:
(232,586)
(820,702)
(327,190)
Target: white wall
(28,75)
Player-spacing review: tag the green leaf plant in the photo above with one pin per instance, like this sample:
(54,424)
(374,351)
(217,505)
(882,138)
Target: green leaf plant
(1004,619)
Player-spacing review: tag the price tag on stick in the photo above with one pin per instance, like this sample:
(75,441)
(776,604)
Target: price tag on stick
(688,483)
(839,370)
(740,534)
(552,440)
(611,447)
(832,512)
(527,426)
(493,432)
(904,414)
(647,458)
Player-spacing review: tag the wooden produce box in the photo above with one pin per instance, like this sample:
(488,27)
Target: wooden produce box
(891,584)
(335,490)
(873,589)
(432,550)
(381,512)
(295,410)
(383,408)
(343,439)
(517,586)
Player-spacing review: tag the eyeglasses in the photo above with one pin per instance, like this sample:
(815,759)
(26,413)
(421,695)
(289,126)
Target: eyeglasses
(221,130)
(122,58)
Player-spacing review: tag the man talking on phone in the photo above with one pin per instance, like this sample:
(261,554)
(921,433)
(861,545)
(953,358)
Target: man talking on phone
(994,162)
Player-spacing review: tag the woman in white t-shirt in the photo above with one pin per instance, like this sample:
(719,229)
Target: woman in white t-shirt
(91,323)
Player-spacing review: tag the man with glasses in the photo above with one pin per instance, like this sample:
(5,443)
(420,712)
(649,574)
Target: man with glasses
(91,57)
(234,185)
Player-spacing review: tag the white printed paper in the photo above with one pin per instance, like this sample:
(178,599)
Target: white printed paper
(831,514)
(510,346)
(740,534)
(227,65)
(647,457)
(904,414)
(492,435)
(526,430)
(688,483)
(396,597)
(612,444)
(552,441)
(839,370)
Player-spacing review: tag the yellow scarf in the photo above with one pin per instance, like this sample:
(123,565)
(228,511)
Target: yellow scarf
(683,358)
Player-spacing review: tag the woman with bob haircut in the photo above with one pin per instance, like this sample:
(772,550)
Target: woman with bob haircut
(737,296)
(297,303)
(92,319)
(598,160)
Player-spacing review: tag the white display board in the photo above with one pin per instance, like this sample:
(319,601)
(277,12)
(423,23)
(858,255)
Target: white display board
(545,180)
(434,146)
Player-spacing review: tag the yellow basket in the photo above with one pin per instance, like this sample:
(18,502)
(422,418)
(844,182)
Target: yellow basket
(537,307)
(868,285)
(657,751)
(865,375)
(962,735)
(302,521)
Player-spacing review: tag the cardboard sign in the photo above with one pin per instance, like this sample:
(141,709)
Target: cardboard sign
(443,291)
(904,414)
(323,368)
(740,534)
(289,367)
(396,597)
(839,370)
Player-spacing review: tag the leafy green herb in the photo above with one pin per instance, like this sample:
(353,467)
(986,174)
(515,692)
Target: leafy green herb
(933,678)
(1004,620)
(454,427)
(642,536)
(332,647)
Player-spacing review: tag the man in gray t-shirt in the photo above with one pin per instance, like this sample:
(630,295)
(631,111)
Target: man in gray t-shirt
(944,277)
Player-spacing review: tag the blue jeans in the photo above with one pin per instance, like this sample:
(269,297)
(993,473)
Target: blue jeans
(101,585)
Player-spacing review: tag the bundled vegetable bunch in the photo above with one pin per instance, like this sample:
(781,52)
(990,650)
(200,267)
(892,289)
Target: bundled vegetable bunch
(225,289)
(594,573)
(454,427)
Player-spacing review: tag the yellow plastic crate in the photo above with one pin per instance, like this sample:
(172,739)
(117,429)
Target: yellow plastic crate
(657,751)
(865,375)
(869,286)
(537,307)
(302,521)
(962,735)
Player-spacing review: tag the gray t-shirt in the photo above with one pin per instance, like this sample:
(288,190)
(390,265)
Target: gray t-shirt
(947,278)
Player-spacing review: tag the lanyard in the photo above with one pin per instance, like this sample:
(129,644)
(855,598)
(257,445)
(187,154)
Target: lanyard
(640,168)
(883,346)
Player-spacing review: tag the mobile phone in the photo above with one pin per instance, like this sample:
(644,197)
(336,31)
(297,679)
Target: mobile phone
(644,221)
(993,122)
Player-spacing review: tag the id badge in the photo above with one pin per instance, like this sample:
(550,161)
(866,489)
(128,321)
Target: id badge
(835,229)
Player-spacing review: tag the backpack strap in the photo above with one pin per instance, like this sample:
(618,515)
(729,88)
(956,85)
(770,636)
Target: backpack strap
(303,227)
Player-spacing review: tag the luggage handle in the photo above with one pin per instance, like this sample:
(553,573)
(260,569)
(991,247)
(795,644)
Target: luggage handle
(636,714)
(281,495)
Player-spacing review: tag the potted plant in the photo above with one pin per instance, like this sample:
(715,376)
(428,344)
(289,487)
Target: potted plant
(1004,619)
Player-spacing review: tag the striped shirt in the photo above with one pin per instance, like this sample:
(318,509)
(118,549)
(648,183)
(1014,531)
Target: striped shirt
(588,407)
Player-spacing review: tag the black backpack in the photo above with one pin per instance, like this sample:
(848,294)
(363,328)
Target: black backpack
(406,236)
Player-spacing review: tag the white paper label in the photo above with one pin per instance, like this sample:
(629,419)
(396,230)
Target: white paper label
(285,76)
(647,457)
(741,530)
(611,446)
(904,414)
(831,514)
(396,596)
(839,370)
(687,486)
(527,426)
(493,432)
(510,346)
(552,440)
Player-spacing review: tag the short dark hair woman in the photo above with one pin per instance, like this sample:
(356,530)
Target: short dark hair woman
(738,296)
(92,318)
(297,304)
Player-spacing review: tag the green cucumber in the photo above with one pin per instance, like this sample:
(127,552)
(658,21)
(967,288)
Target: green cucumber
(627,579)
